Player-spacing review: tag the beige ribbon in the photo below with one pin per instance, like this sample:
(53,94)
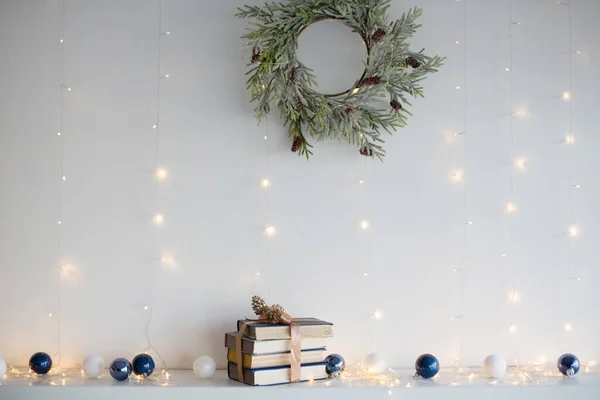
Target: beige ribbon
(295,345)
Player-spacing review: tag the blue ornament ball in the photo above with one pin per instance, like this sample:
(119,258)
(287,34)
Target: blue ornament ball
(143,365)
(40,363)
(427,366)
(120,369)
(568,364)
(335,365)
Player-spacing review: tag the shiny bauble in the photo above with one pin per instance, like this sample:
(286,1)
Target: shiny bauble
(204,367)
(93,366)
(427,366)
(568,364)
(375,363)
(40,363)
(120,369)
(494,366)
(143,365)
(2,368)
(335,365)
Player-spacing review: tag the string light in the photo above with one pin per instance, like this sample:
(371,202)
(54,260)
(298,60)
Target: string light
(270,231)
(159,219)
(355,90)
(569,139)
(514,297)
(521,163)
(265,183)
(574,231)
(566,96)
(457,175)
(568,327)
(510,208)
(364,224)
(377,315)
(161,174)
(512,329)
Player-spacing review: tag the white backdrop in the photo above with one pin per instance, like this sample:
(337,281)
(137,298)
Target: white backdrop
(215,209)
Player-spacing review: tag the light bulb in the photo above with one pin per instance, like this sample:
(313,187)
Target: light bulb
(568,327)
(355,90)
(166,33)
(377,315)
(58,133)
(514,297)
(265,183)
(566,96)
(266,137)
(154,126)
(60,222)
(457,175)
(165,76)
(158,219)
(573,231)
(270,231)
(168,261)
(504,255)
(576,186)
(61,41)
(569,139)
(512,329)
(520,163)
(458,88)
(456,41)
(64,178)
(366,274)
(161,174)
(469,222)
(146,307)
(361,182)
(510,208)
(364,224)
(50,314)
(507,69)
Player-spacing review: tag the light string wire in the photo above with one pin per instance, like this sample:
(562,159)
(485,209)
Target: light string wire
(573,230)
(510,206)
(60,135)
(365,225)
(270,230)
(465,200)
(158,219)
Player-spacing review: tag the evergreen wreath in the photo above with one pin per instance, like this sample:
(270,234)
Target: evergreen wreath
(378,98)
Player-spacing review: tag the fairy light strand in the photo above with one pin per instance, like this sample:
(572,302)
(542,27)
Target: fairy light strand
(365,225)
(270,230)
(62,179)
(158,218)
(465,176)
(510,207)
(573,230)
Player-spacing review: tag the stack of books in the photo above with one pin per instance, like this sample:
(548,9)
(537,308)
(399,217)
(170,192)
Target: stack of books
(266,352)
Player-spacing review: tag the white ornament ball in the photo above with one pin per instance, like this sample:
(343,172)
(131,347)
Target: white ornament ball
(375,363)
(204,367)
(2,367)
(494,366)
(93,366)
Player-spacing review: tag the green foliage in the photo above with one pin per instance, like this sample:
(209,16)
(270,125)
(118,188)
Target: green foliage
(276,76)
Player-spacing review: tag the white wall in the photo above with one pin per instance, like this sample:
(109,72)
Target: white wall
(215,209)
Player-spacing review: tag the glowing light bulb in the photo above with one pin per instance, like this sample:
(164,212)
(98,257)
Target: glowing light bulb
(266,137)
(168,261)
(570,139)
(521,163)
(510,208)
(504,255)
(165,76)
(146,307)
(64,178)
(566,96)
(366,274)
(50,314)
(159,219)
(577,186)
(364,224)
(60,222)
(377,315)
(512,329)
(166,33)
(355,90)
(270,231)
(568,327)
(457,175)
(58,134)
(61,41)
(514,297)
(361,182)
(456,42)
(265,183)
(469,222)
(574,231)
(458,88)
(154,126)
(161,174)
(507,69)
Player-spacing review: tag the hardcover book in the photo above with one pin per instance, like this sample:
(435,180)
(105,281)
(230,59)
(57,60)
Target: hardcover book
(310,327)
(277,375)
(253,346)
(275,360)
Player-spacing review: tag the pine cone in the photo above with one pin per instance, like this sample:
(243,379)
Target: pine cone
(294,75)
(396,105)
(274,313)
(259,305)
(351,111)
(298,141)
(255,55)
(297,104)
(378,35)
(366,152)
(374,80)
(413,62)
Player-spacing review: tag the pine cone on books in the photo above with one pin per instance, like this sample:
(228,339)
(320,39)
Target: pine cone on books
(274,313)
(259,305)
